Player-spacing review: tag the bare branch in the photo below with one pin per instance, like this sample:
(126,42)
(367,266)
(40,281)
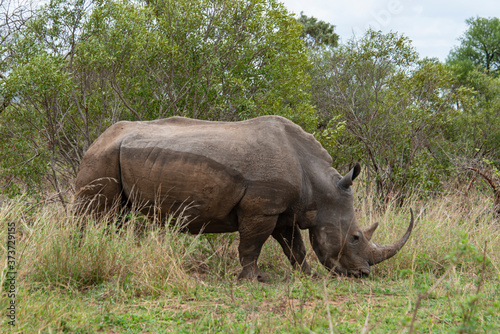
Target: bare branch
(487,177)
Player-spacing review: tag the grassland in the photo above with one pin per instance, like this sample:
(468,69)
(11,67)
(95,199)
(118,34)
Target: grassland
(107,280)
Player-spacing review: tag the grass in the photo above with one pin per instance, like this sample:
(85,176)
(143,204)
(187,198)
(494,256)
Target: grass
(109,280)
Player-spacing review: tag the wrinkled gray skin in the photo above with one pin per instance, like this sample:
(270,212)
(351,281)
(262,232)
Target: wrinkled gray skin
(260,177)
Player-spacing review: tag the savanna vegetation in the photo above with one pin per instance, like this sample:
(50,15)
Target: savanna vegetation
(427,133)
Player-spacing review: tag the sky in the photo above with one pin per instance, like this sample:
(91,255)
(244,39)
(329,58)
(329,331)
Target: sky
(433,26)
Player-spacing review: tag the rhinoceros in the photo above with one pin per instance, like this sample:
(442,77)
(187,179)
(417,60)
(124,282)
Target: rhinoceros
(260,177)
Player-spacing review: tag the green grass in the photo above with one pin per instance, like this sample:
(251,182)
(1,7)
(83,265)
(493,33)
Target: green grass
(158,280)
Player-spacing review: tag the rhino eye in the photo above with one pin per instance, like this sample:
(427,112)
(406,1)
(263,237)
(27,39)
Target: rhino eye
(355,238)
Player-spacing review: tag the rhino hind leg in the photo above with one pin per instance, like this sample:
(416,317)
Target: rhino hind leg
(291,242)
(99,197)
(254,231)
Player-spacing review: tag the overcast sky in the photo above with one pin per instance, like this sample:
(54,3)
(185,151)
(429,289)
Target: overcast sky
(433,26)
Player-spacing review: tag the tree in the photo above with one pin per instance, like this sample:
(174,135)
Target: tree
(80,65)
(473,136)
(318,33)
(479,46)
(472,143)
(14,16)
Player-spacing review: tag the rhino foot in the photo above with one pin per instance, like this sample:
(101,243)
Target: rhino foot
(254,274)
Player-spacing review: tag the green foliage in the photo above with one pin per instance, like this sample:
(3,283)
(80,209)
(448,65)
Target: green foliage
(476,127)
(390,106)
(202,59)
(409,120)
(27,138)
(318,33)
(23,157)
(482,110)
(479,47)
(467,253)
(473,137)
(415,123)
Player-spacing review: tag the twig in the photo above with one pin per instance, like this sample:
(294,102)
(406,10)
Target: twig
(441,319)
(470,185)
(117,91)
(330,323)
(425,295)
(468,310)
(488,178)
(483,269)
(366,328)
(495,187)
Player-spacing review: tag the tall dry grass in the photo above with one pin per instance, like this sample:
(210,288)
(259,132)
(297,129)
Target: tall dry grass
(56,261)
(451,229)
(54,251)
(139,257)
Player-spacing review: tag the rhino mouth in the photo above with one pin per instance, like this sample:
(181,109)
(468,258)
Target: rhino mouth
(361,273)
(357,273)
(336,269)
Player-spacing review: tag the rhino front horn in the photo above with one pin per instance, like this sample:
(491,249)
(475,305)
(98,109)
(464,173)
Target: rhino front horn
(381,253)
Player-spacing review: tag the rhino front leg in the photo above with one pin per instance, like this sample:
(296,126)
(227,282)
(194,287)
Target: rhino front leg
(290,239)
(254,231)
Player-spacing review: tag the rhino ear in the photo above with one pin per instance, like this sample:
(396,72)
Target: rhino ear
(346,181)
(368,232)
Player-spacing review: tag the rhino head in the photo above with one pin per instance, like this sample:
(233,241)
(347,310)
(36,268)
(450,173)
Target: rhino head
(339,243)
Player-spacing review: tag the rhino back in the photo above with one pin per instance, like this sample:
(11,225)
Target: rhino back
(263,148)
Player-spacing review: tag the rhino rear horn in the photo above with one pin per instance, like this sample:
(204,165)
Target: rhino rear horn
(381,253)
(346,181)
(368,232)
